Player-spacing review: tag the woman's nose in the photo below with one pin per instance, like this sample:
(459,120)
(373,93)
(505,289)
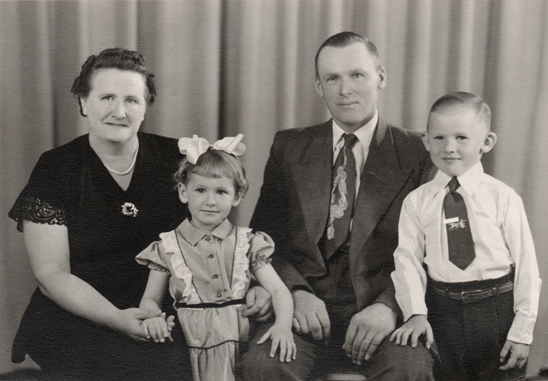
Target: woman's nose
(118,110)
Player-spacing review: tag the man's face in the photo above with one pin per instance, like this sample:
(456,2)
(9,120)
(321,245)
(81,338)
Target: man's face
(349,82)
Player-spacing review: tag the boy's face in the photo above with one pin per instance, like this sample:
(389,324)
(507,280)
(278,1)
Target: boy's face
(209,200)
(456,139)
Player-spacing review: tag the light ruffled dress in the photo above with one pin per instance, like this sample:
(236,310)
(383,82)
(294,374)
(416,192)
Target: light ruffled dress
(212,333)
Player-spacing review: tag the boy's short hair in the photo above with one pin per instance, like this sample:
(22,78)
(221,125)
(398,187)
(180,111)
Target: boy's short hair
(456,99)
(214,164)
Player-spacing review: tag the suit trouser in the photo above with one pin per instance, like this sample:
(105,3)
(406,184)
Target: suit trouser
(470,336)
(314,358)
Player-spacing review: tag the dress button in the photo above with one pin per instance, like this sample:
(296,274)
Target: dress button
(219,295)
(207,238)
(210,255)
(215,276)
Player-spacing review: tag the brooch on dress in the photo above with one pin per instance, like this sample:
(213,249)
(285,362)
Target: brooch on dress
(129,209)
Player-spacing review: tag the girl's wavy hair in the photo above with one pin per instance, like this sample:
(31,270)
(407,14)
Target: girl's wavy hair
(115,58)
(214,164)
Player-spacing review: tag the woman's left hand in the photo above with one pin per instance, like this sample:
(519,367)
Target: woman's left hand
(259,304)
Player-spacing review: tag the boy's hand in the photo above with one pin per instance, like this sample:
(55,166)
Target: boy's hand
(158,328)
(416,326)
(282,338)
(518,354)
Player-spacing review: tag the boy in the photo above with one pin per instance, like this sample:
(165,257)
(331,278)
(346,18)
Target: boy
(470,233)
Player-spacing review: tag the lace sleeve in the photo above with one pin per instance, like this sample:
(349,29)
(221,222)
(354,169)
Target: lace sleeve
(35,210)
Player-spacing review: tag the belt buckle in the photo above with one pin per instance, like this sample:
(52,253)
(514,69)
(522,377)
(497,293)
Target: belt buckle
(472,296)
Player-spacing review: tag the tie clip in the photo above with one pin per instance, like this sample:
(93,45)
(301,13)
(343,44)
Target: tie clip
(449,220)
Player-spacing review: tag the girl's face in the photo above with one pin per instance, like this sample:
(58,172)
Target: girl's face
(209,200)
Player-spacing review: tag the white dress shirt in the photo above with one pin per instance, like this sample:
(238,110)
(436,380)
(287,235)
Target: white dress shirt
(502,239)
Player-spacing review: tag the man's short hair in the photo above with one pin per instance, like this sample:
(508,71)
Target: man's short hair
(457,99)
(340,40)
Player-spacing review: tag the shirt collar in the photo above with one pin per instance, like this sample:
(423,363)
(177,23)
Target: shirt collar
(364,133)
(194,235)
(469,180)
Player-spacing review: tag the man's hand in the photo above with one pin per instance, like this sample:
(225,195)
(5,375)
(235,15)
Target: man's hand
(518,355)
(259,304)
(367,330)
(310,315)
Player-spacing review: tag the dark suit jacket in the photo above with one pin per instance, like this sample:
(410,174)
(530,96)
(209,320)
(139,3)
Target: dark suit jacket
(294,204)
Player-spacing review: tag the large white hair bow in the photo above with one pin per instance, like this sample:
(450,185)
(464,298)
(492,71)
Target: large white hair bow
(194,147)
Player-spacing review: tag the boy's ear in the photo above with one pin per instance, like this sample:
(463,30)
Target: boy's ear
(182,193)
(489,143)
(424,137)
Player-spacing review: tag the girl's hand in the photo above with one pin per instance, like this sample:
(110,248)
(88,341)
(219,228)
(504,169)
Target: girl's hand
(416,326)
(158,328)
(282,338)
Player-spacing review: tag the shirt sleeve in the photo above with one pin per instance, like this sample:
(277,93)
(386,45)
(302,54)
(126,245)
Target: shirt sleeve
(260,250)
(152,257)
(527,282)
(409,276)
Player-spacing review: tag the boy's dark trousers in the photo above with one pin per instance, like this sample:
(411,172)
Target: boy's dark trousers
(470,334)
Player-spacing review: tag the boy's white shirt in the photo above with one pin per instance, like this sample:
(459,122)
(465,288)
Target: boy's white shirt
(501,235)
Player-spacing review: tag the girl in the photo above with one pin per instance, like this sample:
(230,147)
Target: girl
(208,262)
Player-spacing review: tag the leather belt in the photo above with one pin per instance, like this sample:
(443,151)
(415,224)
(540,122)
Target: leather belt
(471,296)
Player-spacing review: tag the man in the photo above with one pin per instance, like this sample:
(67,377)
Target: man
(331,202)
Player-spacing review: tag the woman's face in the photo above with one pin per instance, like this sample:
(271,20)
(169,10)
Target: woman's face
(116,105)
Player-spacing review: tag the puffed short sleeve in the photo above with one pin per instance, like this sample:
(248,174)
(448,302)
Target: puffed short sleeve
(45,197)
(152,257)
(261,247)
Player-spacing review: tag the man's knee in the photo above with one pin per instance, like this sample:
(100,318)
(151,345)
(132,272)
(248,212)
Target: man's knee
(256,363)
(394,362)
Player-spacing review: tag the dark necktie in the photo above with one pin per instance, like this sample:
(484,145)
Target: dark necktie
(459,236)
(342,197)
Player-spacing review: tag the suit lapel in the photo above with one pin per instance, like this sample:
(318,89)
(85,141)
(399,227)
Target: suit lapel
(312,179)
(381,181)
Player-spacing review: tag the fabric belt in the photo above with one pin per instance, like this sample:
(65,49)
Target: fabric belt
(471,296)
(211,305)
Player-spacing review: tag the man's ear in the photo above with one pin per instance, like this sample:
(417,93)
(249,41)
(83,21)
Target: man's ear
(382,78)
(182,193)
(489,143)
(319,89)
(424,137)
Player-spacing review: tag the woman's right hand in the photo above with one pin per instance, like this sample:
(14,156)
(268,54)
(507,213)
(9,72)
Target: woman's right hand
(129,322)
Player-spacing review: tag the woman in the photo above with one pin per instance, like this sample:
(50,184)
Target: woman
(89,208)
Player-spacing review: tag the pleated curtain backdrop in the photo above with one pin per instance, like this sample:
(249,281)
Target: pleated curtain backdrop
(230,66)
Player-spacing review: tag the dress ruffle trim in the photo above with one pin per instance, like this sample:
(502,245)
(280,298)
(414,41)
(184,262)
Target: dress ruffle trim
(180,268)
(35,210)
(240,274)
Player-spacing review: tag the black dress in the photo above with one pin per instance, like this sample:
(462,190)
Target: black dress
(107,228)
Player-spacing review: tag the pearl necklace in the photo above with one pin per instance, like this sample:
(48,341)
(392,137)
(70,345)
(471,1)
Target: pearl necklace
(130,168)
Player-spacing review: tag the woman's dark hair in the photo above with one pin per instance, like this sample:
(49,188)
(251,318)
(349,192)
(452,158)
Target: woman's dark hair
(116,58)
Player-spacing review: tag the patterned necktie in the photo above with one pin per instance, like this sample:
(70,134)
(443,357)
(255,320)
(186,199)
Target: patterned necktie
(342,197)
(459,236)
